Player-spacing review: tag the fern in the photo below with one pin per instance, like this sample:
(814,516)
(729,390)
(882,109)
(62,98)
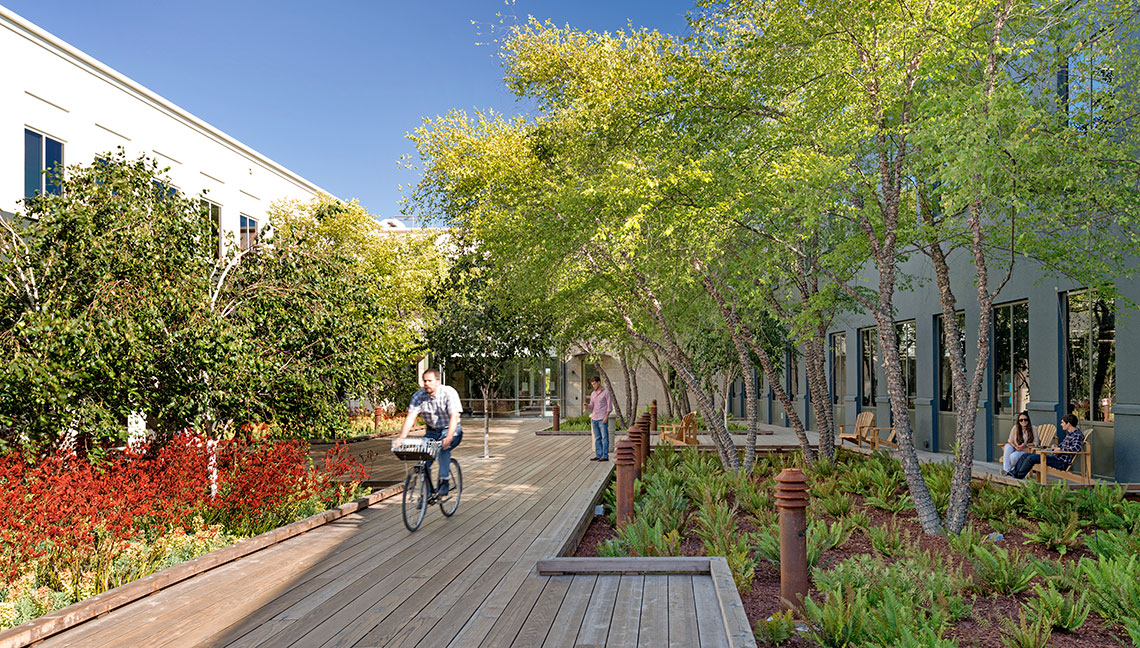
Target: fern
(1113,587)
(836,505)
(963,543)
(839,621)
(1057,536)
(1026,633)
(1062,576)
(887,539)
(1113,544)
(1061,612)
(1000,570)
(776,629)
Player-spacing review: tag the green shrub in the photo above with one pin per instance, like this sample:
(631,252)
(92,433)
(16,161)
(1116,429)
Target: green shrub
(856,520)
(1113,588)
(1063,576)
(837,505)
(896,616)
(644,538)
(887,539)
(820,538)
(1113,544)
(612,548)
(938,477)
(839,621)
(1026,633)
(963,543)
(1059,536)
(922,579)
(990,504)
(664,501)
(716,526)
(1053,503)
(1061,612)
(1000,570)
(776,629)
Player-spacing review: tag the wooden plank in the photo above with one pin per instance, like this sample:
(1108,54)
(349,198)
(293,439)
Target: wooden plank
(710,623)
(408,542)
(537,540)
(653,628)
(510,622)
(454,592)
(564,630)
(682,612)
(736,624)
(77,613)
(666,565)
(538,624)
(353,614)
(574,537)
(626,621)
(174,635)
(596,622)
(543,471)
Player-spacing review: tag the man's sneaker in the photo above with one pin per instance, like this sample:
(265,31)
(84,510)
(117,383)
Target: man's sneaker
(444,489)
(1004,472)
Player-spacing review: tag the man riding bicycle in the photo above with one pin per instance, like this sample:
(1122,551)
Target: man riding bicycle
(439,405)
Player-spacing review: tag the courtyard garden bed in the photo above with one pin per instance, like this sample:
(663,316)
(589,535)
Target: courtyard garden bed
(72,528)
(1035,566)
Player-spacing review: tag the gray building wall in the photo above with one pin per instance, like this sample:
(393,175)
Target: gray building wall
(1115,445)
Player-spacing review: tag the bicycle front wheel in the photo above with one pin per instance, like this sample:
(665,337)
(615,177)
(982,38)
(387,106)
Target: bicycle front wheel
(415,499)
(448,503)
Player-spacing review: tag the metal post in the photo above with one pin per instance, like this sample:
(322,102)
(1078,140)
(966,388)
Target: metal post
(555,412)
(625,459)
(642,444)
(792,501)
(653,416)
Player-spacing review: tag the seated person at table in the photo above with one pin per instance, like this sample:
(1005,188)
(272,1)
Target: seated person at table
(1072,442)
(1022,437)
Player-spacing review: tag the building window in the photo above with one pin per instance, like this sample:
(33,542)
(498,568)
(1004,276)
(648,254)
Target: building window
(1011,358)
(1091,356)
(838,368)
(248,232)
(868,361)
(908,357)
(793,384)
(42,153)
(212,212)
(945,379)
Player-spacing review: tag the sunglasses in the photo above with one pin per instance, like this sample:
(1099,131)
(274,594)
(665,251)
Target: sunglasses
(1022,420)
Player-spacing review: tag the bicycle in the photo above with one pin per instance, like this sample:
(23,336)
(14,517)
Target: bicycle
(419,491)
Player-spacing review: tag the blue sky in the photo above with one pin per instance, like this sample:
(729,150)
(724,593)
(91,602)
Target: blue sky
(327,89)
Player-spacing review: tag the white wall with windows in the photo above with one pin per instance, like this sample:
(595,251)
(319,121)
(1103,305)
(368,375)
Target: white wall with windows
(60,106)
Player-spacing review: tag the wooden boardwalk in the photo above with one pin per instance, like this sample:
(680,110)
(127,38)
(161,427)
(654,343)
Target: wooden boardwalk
(470,580)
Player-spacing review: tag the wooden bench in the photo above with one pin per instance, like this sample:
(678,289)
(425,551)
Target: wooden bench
(683,433)
(865,430)
(1082,456)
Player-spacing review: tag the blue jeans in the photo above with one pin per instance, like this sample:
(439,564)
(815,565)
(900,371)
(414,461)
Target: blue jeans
(437,434)
(601,438)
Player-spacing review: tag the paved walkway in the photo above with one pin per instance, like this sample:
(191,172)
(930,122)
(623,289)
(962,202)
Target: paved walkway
(364,580)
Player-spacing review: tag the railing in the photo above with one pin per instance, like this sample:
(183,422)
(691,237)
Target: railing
(522,406)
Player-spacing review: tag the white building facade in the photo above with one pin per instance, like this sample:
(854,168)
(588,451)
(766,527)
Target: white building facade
(60,106)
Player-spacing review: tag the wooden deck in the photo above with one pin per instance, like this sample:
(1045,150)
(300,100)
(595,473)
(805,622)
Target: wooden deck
(470,580)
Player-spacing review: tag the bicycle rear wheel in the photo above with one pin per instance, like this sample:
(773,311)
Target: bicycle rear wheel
(448,503)
(415,498)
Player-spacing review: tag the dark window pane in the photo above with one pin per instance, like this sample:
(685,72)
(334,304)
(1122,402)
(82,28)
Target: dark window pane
(53,163)
(838,368)
(945,380)
(869,360)
(33,164)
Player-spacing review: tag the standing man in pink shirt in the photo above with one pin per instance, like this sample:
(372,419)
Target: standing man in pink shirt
(601,404)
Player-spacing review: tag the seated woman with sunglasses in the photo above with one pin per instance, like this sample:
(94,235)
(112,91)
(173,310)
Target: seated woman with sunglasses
(1022,438)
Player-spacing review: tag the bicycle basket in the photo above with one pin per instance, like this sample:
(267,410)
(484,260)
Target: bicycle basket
(420,449)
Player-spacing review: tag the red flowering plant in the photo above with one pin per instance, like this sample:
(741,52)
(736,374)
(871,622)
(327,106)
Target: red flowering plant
(66,519)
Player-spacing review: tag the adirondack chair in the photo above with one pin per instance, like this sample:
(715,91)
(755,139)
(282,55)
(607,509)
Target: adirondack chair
(1046,432)
(683,433)
(1082,456)
(865,430)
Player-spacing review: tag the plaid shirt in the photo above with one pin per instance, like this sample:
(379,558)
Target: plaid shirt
(1072,442)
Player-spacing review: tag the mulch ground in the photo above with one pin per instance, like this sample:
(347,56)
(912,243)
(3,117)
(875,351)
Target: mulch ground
(982,629)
